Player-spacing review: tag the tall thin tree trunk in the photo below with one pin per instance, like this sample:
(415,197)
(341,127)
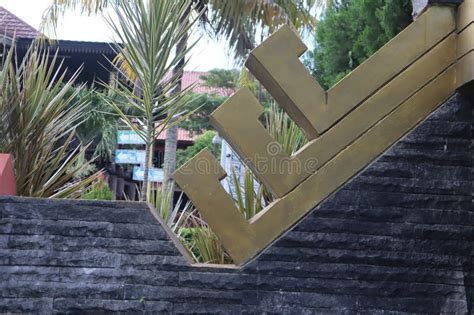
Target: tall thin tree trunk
(150,136)
(171,141)
(169,163)
(137,90)
(144,192)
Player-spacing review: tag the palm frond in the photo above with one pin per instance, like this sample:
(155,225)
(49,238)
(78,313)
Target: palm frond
(58,8)
(238,21)
(147,33)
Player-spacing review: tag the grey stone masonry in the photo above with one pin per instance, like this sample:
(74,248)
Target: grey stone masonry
(420,5)
(396,239)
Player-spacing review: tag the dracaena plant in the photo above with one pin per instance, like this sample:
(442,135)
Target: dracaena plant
(38,115)
(146,33)
(284,130)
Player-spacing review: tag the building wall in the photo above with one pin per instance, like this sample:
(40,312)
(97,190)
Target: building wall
(398,238)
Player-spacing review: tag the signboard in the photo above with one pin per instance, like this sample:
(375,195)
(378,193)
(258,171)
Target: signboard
(154,174)
(130,156)
(128,137)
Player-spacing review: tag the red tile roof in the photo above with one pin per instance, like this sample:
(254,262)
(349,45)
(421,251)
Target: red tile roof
(11,25)
(193,77)
(183,135)
(190,78)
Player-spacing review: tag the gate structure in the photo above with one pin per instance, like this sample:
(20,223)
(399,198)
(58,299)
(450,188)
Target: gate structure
(373,216)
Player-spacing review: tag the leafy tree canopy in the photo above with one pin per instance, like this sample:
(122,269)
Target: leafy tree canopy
(202,142)
(221,78)
(100,124)
(351,31)
(202,105)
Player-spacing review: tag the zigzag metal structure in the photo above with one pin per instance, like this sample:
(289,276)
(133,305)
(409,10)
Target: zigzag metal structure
(348,126)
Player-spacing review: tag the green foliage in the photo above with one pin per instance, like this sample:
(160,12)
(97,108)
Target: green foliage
(222,78)
(99,191)
(147,32)
(183,220)
(351,31)
(284,130)
(238,21)
(100,125)
(203,244)
(200,106)
(247,200)
(38,117)
(208,247)
(202,142)
(175,215)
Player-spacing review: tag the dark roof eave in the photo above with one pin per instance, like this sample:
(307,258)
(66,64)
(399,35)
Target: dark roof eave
(74,47)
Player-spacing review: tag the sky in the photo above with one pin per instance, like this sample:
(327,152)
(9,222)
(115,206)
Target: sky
(207,54)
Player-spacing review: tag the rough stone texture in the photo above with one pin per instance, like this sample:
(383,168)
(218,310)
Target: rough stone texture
(420,5)
(396,239)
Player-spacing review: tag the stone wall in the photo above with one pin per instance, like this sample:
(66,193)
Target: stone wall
(398,238)
(420,5)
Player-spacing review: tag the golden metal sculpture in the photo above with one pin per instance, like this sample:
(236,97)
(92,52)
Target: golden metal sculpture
(465,51)
(276,65)
(349,126)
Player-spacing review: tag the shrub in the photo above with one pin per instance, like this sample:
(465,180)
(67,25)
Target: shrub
(99,191)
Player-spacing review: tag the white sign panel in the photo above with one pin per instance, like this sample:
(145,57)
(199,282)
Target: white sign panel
(130,156)
(129,137)
(154,174)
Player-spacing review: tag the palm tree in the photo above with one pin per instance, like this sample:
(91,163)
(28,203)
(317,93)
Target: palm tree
(147,31)
(237,21)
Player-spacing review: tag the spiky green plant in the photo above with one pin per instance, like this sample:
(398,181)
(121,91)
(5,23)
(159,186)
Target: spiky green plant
(147,32)
(99,190)
(284,130)
(205,246)
(184,221)
(175,215)
(38,123)
(247,195)
(201,241)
